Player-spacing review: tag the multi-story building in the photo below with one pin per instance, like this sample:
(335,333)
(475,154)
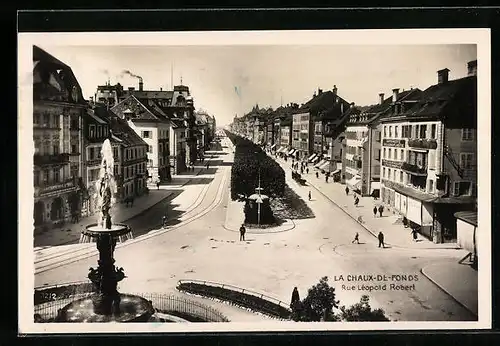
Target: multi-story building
(108,94)
(129,153)
(96,130)
(429,166)
(148,120)
(58,107)
(286,134)
(363,147)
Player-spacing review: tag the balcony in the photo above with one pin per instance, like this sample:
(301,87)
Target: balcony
(54,159)
(55,187)
(414,169)
(422,143)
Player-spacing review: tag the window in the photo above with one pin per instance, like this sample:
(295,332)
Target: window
(115,153)
(135,152)
(55,149)
(378,154)
(467,134)
(36,119)
(115,170)
(389,175)
(461,188)
(400,176)
(390,131)
(91,153)
(55,118)
(99,131)
(402,157)
(385,131)
(45,176)
(56,175)
(74,124)
(46,119)
(395,154)
(160,148)
(74,149)
(433,131)
(423,131)
(105,131)
(383,172)
(396,131)
(150,149)
(390,154)
(431,186)
(146,134)
(150,163)
(466,160)
(91,131)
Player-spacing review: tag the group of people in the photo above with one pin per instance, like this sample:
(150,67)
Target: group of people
(380,237)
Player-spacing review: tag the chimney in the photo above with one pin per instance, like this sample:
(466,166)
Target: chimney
(352,104)
(334,90)
(395,94)
(140,84)
(472,68)
(443,75)
(320,91)
(380,98)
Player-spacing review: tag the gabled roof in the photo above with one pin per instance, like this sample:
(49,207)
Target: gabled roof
(433,101)
(139,110)
(323,101)
(119,128)
(54,80)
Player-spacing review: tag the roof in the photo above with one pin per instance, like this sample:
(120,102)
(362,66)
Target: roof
(149,94)
(141,111)
(323,101)
(433,101)
(467,216)
(53,80)
(120,130)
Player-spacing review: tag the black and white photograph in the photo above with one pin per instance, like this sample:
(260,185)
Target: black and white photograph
(254,181)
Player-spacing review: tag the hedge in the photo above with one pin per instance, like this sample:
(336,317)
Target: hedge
(237,298)
(248,160)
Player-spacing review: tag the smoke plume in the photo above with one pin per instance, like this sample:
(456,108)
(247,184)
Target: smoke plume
(124,72)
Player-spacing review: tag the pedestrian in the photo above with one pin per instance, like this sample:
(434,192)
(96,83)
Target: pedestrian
(157,185)
(356,202)
(307,170)
(375,211)
(326,178)
(414,234)
(317,175)
(347,191)
(381,210)
(242,232)
(208,164)
(356,238)
(309,195)
(381,239)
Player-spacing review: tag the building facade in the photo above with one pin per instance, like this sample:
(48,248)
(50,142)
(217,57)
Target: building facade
(58,108)
(429,166)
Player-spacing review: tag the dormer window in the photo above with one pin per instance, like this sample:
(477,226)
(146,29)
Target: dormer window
(91,131)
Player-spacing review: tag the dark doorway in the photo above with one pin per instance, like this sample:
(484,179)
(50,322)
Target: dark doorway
(38,212)
(56,209)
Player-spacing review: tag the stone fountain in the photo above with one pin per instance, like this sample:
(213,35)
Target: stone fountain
(106,304)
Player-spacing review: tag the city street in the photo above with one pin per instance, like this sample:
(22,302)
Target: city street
(196,246)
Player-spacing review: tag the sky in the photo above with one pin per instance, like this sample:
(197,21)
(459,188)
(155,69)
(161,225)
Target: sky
(267,75)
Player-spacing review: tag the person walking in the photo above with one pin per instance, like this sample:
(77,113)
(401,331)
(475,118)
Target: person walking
(208,164)
(414,234)
(317,175)
(381,239)
(158,185)
(307,170)
(309,195)
(164,221)
(347,191)
(381,210)
(242,232)
(356,202)
(356,238)
(375,211)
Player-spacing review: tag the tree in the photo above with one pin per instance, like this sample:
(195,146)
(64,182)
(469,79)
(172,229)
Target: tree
(319,303)
(362,312)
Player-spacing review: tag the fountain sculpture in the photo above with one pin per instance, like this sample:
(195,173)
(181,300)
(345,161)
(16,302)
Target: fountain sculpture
(106,304)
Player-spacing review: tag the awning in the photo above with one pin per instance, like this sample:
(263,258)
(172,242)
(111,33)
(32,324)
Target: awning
(282,150)
(311,157)
(336,171)
(316,159)
(375,186)
(290,152)
(272,146)
(324,166)
(319,163)
(354,182)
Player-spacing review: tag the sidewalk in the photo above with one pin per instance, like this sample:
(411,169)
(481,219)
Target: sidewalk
(390,224)
(70,233)
(445,274)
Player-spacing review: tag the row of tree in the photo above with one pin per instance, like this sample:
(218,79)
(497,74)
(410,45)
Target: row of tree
(250,161)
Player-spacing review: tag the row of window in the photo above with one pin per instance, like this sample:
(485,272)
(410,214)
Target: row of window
(46,119)
(48,177)
(99,131)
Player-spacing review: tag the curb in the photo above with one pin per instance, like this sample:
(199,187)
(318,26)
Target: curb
(422,270)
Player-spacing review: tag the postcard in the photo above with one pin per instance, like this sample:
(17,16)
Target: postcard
(254,181)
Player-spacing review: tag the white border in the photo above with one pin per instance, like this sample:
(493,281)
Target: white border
(480,37)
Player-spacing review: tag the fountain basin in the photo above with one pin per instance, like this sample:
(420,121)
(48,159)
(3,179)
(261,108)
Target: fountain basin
(132,309)
(116,230)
